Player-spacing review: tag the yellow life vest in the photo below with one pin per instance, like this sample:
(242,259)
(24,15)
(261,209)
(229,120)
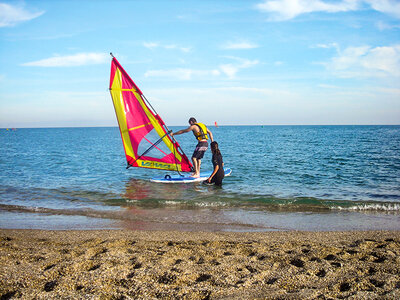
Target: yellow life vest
(202,134)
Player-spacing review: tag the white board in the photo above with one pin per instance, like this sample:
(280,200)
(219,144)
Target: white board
(186,179)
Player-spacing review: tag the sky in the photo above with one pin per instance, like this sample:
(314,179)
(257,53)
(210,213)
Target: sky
(261,62)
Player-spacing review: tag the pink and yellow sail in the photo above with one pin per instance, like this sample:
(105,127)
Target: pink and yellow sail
(144,135)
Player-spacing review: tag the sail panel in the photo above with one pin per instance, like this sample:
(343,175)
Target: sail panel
(141,127)
(119,106)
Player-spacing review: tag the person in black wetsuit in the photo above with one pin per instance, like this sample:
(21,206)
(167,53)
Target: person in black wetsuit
(218,174)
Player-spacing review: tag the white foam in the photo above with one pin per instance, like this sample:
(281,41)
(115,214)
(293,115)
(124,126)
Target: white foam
(371,207)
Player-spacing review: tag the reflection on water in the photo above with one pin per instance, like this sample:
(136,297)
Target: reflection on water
(148,193)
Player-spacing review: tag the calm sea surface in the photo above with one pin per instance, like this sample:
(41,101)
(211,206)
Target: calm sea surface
(284,178)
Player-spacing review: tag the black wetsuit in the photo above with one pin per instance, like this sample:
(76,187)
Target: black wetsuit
(217,178)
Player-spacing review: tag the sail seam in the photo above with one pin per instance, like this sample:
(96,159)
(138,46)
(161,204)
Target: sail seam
(140,126)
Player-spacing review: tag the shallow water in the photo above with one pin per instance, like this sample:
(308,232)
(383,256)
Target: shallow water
(284,178)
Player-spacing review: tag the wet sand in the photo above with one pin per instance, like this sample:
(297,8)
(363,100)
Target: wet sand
(119,264)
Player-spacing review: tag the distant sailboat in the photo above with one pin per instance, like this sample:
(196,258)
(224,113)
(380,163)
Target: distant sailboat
(215,123)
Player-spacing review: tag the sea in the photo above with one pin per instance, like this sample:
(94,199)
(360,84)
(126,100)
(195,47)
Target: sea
(284,178)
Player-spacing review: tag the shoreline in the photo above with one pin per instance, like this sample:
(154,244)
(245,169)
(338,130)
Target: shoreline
(206,219)
(43,264)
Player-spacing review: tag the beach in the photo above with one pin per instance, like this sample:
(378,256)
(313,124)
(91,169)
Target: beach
(122,264)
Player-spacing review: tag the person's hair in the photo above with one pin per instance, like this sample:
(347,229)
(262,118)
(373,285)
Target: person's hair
(192,120)
(214,148)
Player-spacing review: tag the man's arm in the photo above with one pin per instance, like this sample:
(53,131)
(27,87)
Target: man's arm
(182,131)
(210,134)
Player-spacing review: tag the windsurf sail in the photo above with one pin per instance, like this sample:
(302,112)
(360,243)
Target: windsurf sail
(145,136)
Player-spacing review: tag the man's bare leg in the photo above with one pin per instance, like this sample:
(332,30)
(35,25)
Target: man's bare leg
(196,164)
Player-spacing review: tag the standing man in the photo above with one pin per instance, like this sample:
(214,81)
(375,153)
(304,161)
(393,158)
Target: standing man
(202,134)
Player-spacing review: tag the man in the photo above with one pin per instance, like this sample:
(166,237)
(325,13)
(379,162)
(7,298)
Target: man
(202,134)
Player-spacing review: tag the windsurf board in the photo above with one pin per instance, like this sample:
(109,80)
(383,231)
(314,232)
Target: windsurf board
(187,179)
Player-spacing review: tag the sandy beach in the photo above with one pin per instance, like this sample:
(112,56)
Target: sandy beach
(36,264)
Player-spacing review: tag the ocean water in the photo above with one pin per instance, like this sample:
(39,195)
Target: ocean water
(284,178)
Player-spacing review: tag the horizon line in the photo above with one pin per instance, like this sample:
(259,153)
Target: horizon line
(228,125)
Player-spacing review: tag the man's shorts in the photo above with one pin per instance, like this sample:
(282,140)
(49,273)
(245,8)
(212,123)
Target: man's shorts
(200,149)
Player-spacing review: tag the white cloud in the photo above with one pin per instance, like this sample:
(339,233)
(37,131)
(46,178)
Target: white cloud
(384,26)
(182,74)
(390,7)
(327,46)
(229,70)
(288,9)
(366,61)
(239,45)
(79,59)
(281,10)
(150,45)
(259,91)
(11,15)
(154,45)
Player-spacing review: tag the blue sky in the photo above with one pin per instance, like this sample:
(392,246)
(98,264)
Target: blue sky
(235,62)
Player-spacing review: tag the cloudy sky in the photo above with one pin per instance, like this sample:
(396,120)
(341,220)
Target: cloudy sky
(235,62)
